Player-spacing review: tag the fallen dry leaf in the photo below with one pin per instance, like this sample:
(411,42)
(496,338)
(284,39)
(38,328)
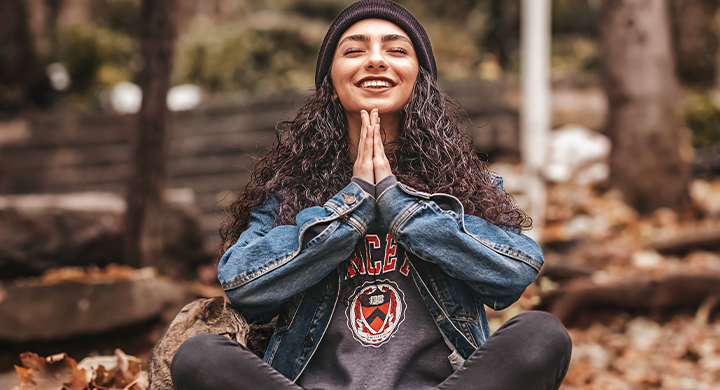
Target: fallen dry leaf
(57,372)
(61,372)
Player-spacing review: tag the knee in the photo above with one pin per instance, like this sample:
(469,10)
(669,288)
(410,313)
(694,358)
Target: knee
(546,335)
(191,355)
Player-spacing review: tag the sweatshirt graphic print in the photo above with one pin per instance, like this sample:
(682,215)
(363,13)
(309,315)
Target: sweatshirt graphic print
(377,307)
(381,335)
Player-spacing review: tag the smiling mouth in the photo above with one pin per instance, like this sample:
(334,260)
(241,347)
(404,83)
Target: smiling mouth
(375,84)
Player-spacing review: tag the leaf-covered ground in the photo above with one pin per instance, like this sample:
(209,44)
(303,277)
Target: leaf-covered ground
(61,372)
(637,353)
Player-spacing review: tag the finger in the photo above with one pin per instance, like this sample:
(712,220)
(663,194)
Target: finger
(378,150)
(381,166)
(374,117)
(369,143)
(363,134)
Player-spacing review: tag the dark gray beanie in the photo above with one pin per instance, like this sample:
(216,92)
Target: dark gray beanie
(375,9)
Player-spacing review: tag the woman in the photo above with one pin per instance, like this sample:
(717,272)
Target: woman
(375,234)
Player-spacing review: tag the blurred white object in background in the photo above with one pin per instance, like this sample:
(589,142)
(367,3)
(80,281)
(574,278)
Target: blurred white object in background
(58,75)
(126,98)
(184,97)
(577,153)
(706,195)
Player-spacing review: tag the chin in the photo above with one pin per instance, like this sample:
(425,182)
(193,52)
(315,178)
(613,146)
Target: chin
(382,108)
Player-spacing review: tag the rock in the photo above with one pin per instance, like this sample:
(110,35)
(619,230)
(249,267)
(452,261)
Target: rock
(39,232)
(38,309)
(579,154)
(706,195)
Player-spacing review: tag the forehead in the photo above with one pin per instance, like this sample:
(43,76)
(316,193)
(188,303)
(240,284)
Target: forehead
(372,27)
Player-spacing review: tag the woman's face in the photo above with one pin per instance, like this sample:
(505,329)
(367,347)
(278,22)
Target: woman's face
(375,66)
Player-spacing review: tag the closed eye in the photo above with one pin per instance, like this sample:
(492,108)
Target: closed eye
(352,50)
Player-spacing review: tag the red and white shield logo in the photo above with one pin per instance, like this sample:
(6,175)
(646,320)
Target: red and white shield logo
(375,311)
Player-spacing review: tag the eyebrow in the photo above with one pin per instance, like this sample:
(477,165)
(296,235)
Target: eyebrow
(365,38)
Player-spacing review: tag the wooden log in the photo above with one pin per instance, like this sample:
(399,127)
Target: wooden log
(687,242)
(652,295)
(63,310)
(39,232)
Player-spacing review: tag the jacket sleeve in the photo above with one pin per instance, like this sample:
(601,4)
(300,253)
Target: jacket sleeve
(270,264)
(496,263)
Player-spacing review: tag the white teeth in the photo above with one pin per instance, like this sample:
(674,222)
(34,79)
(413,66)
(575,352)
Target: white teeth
(375,83)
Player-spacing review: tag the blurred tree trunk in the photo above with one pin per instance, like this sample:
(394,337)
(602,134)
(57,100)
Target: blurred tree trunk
(644,123)
(502,30)
(17,58)
(144,197)
(694,41)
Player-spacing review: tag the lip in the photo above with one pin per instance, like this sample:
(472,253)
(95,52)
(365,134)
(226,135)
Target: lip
(379,78)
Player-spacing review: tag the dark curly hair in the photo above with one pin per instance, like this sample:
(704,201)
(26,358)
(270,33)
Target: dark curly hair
(309,163)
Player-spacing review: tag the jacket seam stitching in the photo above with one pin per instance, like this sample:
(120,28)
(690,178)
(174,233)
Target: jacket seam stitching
(517,256)
(403,216)
(443,310)
(337,295)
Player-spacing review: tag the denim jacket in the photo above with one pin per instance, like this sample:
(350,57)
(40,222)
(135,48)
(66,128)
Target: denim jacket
(458,262)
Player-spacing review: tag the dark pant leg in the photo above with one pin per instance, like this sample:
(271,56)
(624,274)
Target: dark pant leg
(213,362)
(531,351)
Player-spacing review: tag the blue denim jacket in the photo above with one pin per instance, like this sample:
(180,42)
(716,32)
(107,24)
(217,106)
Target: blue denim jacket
(459,263)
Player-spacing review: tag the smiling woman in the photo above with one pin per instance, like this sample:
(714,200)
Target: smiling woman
(375,235)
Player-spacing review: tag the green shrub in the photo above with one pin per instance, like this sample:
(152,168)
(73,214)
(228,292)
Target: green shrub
(702,115)
(86,49)
(238,57)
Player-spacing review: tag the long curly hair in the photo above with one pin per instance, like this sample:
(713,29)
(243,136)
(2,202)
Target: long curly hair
(309,162)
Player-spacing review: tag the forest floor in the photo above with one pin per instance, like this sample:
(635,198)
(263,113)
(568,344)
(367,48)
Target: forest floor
(640,296)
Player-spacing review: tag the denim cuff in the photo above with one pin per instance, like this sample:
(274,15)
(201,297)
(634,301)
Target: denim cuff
(355,205)
(384,184)
(365,185)
(397,204)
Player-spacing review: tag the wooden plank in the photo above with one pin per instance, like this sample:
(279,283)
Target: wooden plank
(65,156)
(63,178)
(229,143)
(203,123)
(211,202)
(37,159)
(210,182)
(59,177)
(114,187)
(209,164)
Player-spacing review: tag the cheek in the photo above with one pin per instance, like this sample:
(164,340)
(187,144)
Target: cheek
(340,88)
(408,89)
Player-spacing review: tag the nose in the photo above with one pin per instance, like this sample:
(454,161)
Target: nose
(376,60)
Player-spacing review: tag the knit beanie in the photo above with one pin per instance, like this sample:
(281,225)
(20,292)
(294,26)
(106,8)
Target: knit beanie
(375,9)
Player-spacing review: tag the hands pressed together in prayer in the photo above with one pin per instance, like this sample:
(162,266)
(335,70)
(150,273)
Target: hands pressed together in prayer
(371,163)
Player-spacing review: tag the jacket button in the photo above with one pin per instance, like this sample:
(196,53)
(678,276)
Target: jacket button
(308,341)
(349,199)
